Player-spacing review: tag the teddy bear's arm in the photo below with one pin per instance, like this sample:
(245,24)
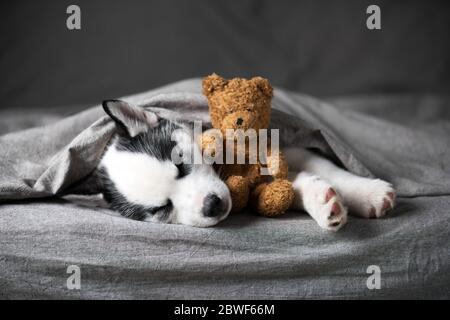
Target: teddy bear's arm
(239,191)
(209,144)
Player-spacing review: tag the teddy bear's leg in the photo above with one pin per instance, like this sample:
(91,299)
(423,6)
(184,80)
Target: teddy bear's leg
(239,191)
(272,198)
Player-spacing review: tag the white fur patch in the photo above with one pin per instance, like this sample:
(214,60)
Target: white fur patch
(140,178)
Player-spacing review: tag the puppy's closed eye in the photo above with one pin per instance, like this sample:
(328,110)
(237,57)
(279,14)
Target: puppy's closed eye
(162,211)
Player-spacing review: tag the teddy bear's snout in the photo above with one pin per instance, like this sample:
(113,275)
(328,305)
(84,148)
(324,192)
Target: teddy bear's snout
(239,120)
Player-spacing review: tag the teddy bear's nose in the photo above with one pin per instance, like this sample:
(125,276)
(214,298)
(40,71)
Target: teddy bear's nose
(239,121)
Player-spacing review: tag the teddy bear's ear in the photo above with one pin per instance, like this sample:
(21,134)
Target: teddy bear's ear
(212,83)
(263,85)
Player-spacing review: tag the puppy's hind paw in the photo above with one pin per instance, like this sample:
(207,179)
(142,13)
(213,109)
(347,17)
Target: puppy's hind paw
(374,200)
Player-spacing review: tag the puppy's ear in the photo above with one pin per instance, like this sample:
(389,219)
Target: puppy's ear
(130,120)
(263,85)
(212,83)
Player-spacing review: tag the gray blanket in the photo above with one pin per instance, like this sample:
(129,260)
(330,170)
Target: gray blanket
(246,256)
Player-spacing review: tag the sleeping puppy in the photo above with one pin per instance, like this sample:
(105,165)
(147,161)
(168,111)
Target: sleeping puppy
(147,174)
(144,175)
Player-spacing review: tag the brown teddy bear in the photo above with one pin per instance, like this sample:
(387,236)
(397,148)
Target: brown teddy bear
(246,104)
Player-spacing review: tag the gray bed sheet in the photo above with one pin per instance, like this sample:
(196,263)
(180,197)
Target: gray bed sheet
(243,257)
(404,140)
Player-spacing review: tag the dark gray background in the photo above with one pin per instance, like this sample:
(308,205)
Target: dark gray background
(317,47)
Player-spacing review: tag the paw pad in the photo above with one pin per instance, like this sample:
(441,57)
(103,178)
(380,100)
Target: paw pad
(335,210)
(330,194)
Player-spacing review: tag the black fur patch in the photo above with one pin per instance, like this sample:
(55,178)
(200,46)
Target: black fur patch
(183,170)
(156,142)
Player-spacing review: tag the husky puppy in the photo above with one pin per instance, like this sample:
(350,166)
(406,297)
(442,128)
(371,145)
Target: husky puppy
(147,174)
(141,180)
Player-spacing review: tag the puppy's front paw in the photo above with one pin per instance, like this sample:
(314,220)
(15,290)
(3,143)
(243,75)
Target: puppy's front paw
(372,199)
(331,213)
(337,212)
(321,201)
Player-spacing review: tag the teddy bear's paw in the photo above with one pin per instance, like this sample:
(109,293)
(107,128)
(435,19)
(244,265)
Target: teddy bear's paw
(369,198)
(320,200)
(274,198)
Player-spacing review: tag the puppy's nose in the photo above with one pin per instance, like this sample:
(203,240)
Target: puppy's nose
(213,206)
(239,121)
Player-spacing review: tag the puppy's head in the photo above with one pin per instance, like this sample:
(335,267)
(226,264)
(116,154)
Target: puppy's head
(148,172)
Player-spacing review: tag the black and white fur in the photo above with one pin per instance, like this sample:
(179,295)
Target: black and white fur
(141,181)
